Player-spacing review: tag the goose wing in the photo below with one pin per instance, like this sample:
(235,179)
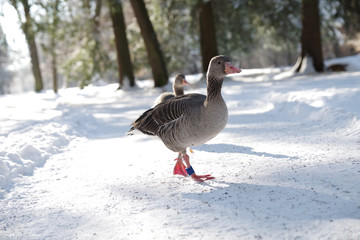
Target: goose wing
(168,111)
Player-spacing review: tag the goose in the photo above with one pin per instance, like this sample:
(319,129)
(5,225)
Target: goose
(191,119)
(178,89)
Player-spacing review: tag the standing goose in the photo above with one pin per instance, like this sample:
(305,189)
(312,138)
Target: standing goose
(190,119)
(178,89)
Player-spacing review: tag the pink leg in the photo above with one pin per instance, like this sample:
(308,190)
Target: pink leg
(198,178)
(179,166)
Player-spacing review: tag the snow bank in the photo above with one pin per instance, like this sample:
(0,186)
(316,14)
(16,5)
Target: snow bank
(352,62)
(284,73)
(22,151)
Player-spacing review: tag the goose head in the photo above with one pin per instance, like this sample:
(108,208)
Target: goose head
(220,66)
(180,81)
(178,85)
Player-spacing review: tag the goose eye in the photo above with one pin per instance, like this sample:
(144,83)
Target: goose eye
(219,62)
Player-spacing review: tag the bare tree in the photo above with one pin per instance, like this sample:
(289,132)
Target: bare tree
(207,33)
(155,56)
(53,46)
(94,27)
(5,74)
(29,31)
(51,26)
(310,36)
(122,47)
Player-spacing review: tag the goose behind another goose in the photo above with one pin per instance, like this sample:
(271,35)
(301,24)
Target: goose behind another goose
(178,89)
(190,119)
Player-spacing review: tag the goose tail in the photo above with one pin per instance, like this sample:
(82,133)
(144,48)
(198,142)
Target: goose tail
(145,124)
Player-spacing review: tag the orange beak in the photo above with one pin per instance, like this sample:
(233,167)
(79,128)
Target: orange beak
(184,82)
(229,69)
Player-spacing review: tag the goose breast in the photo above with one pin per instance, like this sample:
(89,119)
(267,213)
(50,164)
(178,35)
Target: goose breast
(195,126)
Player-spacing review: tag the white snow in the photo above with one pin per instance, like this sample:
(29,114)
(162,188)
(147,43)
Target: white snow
(287,164)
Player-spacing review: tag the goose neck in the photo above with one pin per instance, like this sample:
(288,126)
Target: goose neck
(214,88)
(178,91)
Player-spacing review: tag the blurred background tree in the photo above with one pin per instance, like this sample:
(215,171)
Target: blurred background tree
(78,42)
(208,42)
(125,68)
(87,58)
(154,52)
(5,74)
(50,24)
(311,45)
(28,25)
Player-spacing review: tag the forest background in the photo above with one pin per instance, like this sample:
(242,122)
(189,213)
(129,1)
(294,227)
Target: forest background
(75,43)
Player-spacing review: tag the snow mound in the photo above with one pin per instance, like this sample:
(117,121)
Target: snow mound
(28,149)
(352,62)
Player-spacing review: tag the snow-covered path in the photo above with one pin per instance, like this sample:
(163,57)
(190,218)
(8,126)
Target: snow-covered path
(287,166)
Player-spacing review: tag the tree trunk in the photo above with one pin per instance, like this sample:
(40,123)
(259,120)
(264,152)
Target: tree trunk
(30,39)
(54,27)
(155,57)
(122,47)
(96,50)
(310,35)
(207,34)
(54,67)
